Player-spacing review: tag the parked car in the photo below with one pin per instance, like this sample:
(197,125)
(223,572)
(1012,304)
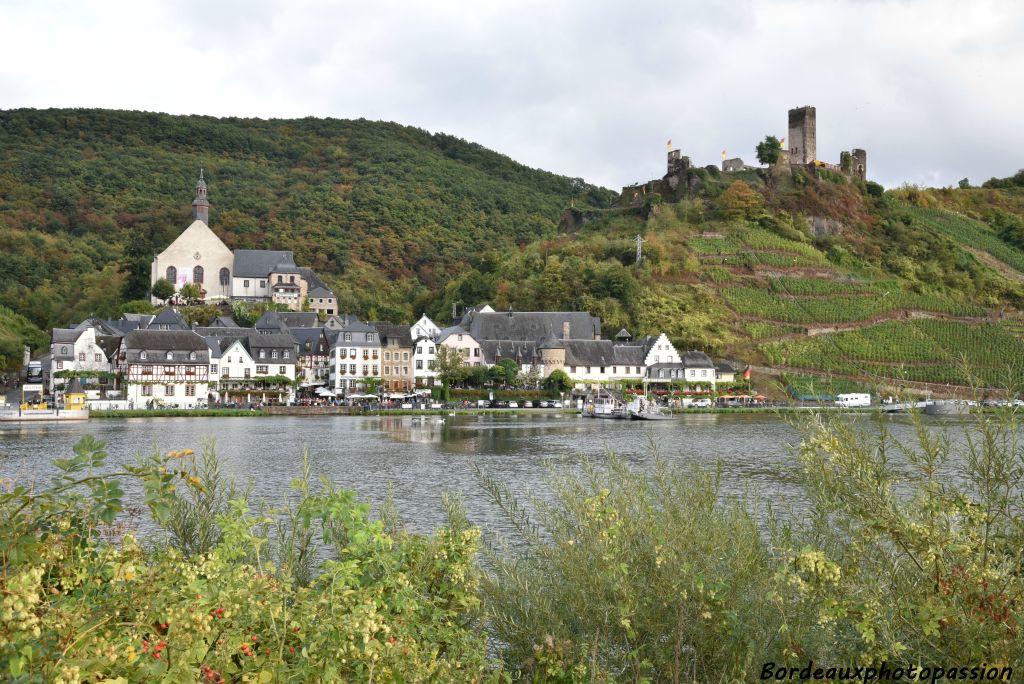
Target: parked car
(556,404)
(701,403)
(513,404)
(527,404)
(544,404)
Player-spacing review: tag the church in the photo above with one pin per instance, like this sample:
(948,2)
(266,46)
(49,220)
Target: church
(254,275)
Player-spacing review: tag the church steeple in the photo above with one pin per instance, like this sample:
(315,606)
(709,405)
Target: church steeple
(200,205)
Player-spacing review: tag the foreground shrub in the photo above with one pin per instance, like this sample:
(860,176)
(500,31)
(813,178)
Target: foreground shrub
(382,605)
(633,577)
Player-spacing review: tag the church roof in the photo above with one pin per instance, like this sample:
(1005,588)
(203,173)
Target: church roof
(258,263)
(168,317)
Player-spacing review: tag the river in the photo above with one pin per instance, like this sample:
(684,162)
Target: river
(423,456)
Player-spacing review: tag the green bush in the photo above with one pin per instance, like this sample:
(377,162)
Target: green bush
(232,597)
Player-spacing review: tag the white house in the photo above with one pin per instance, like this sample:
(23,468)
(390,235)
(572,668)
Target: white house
(459,338)
(165,367)
(258,368)
(90,348)
(355,357)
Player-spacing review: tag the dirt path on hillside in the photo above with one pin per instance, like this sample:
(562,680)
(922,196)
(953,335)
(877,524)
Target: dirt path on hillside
(996,265)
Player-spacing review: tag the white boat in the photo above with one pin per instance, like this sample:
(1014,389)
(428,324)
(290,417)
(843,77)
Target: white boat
(643,408)
(607,405)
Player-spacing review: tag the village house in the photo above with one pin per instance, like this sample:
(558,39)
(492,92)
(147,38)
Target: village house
(86,351)
(396,357)
(355,360)
(423,333)
(313,367)
(164,367)
(258,368)
(457,337)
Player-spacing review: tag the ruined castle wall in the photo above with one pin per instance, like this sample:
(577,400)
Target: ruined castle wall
(803,140)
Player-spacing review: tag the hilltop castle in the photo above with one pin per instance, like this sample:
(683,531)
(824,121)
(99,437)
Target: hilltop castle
(802,137)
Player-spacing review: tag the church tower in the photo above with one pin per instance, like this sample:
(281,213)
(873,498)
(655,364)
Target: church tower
(200,205)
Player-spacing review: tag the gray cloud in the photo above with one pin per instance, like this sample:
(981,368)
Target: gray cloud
(594,89)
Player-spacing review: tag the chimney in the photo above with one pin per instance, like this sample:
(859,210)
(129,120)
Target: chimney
(565,330)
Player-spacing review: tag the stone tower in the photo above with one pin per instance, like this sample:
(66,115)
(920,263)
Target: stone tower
(200,205)
(803,148)
(860,164)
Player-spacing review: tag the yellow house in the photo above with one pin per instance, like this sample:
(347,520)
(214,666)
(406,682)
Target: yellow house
(74,397)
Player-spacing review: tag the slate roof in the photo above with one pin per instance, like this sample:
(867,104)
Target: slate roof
(75,387)
(179,342)
(66,335)
(519,351)
(109,344)
(534,325)
(320,292)
(258,263)
(697,359)
(313,279)
(724,367)
(300,319)
(100,326)
(213,344)
(223,322)
(272,341)
(168,317)
(271,320)
(449,331)
(393,331)
(311,335)
(666,371)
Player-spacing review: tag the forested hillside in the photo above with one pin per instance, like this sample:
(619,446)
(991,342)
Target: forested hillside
(385,213)
(808,274)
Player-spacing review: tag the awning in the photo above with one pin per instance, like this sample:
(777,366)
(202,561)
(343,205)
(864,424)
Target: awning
(361,396)
(325,392)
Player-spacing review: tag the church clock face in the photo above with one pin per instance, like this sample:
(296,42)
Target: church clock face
(197,255)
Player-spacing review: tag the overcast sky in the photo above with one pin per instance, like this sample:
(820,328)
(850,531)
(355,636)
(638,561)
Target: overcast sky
(933,90)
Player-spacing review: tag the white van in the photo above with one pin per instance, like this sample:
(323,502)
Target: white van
(853,400)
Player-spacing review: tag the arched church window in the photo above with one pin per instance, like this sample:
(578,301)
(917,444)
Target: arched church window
(225,276)
(172,274)
(197,274)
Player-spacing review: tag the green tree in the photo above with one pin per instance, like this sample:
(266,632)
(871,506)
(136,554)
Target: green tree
(739,201)
(505,372)
(449,364)
(559,381)
(191,292)
(769,150)
(163,289)
(135,265)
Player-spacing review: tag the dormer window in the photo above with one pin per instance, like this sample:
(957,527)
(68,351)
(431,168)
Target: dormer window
(369,337)
(273,354)
(348,337)
(191,356)
(284,354)
(263,353)
(63,350)
(142,356)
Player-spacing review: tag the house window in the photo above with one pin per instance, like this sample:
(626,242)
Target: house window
(197,274)
(261,370)
(147,390)
(281,370)
(431,350)
(405,370)
(97,358)
(273,354)
(248,374)
(169,390)
(213,368)
(419,364)
(280,279)
(63,350)
(172,274)
(615,370)
(285,353)
(170,356)
(348,337)
(460,338)
(405,356)
(366,369)
(263,284)
(352,353)
(703,374)
(291,279)
(375,354)
(351,368)
(190,390)
(369,337)
(60,364)
(245,284)
(602,369)
(191,356)
(387,356)
(572,369)
(638,370)
(225,276)
(307,349)
(142,355)
(387,370)
(263,353)
(375,370)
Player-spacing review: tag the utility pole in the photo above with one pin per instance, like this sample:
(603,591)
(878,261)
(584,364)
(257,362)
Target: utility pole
(639,248)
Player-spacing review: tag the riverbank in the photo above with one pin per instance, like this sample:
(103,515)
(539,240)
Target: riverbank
(176,413)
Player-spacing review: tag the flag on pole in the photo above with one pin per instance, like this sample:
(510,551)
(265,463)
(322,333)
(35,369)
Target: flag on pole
(782,142)
(746,373)
(669,144)
(723,155)
(645,188)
